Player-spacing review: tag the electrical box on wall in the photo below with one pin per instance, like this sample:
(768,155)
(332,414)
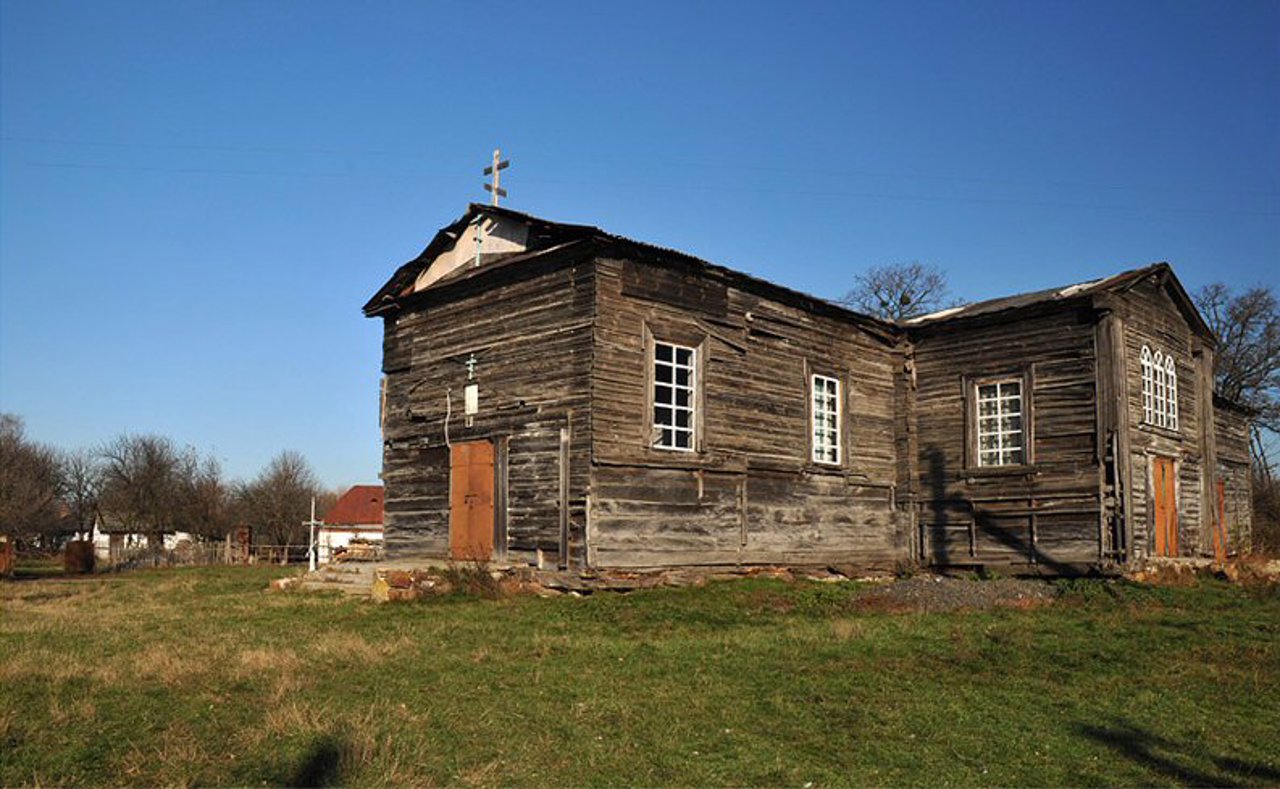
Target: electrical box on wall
(471,401)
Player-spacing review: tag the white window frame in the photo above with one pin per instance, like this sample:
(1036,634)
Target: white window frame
(824,439)
(1148,388)
(1159,389)
(672,403)
(1001,435)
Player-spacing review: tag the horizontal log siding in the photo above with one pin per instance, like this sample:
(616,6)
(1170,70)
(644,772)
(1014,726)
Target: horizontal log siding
(532,340)
(1152,319)
(1234,460)
(1048,515)
(751,495)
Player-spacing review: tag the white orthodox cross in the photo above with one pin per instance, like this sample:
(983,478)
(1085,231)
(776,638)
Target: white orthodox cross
(495,169)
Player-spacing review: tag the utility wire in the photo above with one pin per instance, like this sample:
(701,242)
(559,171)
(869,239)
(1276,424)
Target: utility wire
(852,173)
(675,187)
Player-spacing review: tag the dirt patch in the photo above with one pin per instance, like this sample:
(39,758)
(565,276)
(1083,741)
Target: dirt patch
(1252,571)
(930,594)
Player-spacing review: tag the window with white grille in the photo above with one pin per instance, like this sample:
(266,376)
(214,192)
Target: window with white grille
(1001,433)
(1148,388)
(674,384)
(1159,389)
(825,422)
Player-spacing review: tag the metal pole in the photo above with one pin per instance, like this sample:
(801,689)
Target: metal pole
(311,552)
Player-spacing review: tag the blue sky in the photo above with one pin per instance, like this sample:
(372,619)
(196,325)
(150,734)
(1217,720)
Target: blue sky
(196,198)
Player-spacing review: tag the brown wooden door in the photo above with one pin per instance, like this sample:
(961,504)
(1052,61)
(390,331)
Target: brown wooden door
(1165,505)
(471,501)
(1220,527)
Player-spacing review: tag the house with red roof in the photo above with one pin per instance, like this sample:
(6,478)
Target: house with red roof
(355,519)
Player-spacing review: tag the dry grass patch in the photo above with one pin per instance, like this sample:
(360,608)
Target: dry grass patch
(169,665)
(485,774)
(76,711)
(165,759)
(37,664)
(9,730)
(254,662)
(294,717)
(280,666)
(352,648)
(847,629)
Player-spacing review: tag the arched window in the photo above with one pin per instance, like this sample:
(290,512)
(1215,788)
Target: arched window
(1159,389)
(1157,363)
(1148,388)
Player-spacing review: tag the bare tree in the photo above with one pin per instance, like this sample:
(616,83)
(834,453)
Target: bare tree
(1247,362)
(898,291)
(277,502)
(81,486)
(29,483)
(206,499)
(142,483)
(325,500)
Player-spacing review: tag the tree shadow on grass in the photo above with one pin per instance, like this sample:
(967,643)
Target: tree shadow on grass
(321,765)
(1171,759)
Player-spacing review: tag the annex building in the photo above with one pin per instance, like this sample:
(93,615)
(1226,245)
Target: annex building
(556,393)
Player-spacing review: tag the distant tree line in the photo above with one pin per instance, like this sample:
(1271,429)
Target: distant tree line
(146,484)
(1247,370)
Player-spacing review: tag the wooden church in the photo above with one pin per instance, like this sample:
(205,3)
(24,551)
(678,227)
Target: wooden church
(555,393)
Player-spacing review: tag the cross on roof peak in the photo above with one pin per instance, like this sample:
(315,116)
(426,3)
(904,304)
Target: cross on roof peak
(495,170)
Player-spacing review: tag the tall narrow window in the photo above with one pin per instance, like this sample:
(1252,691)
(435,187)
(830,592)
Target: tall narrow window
(1171,393)
(1000,424)
(1157,365)
(674,381)
(826,420)
(1148,387)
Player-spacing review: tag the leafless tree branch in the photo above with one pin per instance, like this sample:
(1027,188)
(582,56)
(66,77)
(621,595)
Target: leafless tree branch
(898,291)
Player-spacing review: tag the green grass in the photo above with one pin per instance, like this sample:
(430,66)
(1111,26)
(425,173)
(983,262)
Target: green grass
(42,567)
(198,676)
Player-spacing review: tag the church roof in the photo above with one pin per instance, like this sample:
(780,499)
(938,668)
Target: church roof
(547,239)
(1117,283)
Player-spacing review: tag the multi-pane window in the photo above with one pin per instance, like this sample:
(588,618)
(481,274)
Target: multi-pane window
(826,420)
(674,381)
(1159,389)
(1001,437)
(1148,388)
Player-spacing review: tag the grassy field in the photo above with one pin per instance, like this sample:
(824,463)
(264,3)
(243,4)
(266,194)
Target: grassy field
(199,676)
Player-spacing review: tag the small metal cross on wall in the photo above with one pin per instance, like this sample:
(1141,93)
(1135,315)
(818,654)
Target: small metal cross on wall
(495,169)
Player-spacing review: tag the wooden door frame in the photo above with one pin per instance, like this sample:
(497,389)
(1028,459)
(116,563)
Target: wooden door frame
(1220,541)
(1154,493)
(500,450)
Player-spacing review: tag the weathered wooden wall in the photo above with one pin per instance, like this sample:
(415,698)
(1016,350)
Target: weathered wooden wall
(1232,428)
(1045,513)
(530,330)
(750,494)
(1151,318)
(563,343)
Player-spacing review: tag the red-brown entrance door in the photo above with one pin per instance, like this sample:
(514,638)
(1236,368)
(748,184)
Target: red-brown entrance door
(1165,503)
(471,501)
(1220,526)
